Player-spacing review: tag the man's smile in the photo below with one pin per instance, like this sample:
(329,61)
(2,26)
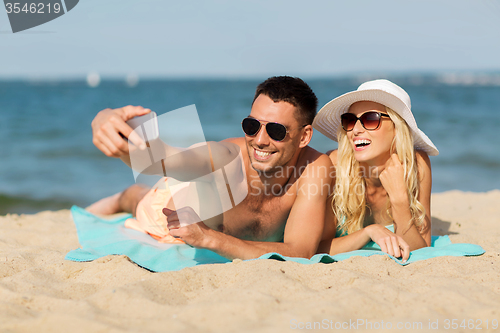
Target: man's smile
(262,155)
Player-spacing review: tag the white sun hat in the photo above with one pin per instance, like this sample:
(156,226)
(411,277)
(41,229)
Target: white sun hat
(327,121)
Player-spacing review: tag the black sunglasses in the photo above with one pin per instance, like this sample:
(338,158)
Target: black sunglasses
(369,120)
(276,131)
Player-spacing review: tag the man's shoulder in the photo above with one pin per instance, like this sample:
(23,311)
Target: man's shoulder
(233,145)
(316,176)
(238,141)
(311,156)
(317,165)
(332,154)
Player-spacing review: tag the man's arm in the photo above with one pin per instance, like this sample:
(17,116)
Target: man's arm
(109,128)
(303,229)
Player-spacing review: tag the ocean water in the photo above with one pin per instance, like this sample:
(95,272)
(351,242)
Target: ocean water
(48,160)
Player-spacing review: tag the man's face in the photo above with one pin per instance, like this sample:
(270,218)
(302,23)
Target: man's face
(266,154)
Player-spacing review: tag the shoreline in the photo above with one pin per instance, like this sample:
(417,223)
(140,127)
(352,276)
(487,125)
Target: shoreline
(40,290)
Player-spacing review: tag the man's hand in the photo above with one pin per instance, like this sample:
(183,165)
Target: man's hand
(110,123)
(185,224)
(388,241)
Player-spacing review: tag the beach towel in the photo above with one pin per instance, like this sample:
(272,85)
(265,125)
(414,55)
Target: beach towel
(100,237)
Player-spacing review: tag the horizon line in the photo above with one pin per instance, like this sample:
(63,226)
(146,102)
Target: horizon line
(243,77)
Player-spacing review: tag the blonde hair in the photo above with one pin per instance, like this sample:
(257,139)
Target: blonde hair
(349,198)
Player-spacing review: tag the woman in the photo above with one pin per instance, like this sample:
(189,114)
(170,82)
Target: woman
(383,174)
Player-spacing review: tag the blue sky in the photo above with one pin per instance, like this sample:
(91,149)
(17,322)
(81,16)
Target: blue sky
(257,38)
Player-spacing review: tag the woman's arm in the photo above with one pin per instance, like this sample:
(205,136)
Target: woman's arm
(424,194)
(389,242)
(333,245)
(392,179)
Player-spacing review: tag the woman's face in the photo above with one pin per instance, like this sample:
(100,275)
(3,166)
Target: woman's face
(371,146)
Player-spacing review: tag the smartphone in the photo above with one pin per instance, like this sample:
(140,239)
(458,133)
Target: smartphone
(149,126)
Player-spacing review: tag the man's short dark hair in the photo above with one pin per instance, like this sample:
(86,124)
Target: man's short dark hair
(291,90)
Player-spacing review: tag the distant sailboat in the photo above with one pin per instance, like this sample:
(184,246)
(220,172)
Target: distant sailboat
(93,79)
(132,80)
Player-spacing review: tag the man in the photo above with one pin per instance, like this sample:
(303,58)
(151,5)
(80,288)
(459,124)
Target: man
(288,181)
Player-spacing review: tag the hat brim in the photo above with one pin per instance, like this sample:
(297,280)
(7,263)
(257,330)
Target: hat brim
(327,121)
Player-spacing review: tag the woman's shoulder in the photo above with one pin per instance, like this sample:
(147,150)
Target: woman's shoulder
(333,155)
(423,163)
(422,159)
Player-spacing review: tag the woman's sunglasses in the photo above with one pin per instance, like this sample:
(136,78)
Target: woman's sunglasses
(370,120)
(276,131)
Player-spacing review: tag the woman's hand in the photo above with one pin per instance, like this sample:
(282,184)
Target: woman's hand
(393,181)
(388,241)
(110,123)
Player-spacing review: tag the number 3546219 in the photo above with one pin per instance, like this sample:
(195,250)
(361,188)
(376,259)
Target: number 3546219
(470,324)
(32,8)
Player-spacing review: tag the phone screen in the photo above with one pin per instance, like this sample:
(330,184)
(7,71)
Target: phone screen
(148,124)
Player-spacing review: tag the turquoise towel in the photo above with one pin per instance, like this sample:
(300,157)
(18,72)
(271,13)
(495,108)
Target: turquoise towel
(100,237)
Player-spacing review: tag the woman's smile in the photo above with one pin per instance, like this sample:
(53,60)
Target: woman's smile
(361,144)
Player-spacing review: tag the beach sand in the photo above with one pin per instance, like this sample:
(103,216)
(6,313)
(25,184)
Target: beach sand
(42,292)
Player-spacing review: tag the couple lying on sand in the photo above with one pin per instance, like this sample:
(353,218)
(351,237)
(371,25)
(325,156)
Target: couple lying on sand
(378,191)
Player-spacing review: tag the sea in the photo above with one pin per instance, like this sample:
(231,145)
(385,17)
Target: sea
(48,161)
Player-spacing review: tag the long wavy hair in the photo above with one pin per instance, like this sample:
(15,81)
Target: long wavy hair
(349,197)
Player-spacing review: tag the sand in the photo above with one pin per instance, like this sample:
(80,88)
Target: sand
(42,292)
